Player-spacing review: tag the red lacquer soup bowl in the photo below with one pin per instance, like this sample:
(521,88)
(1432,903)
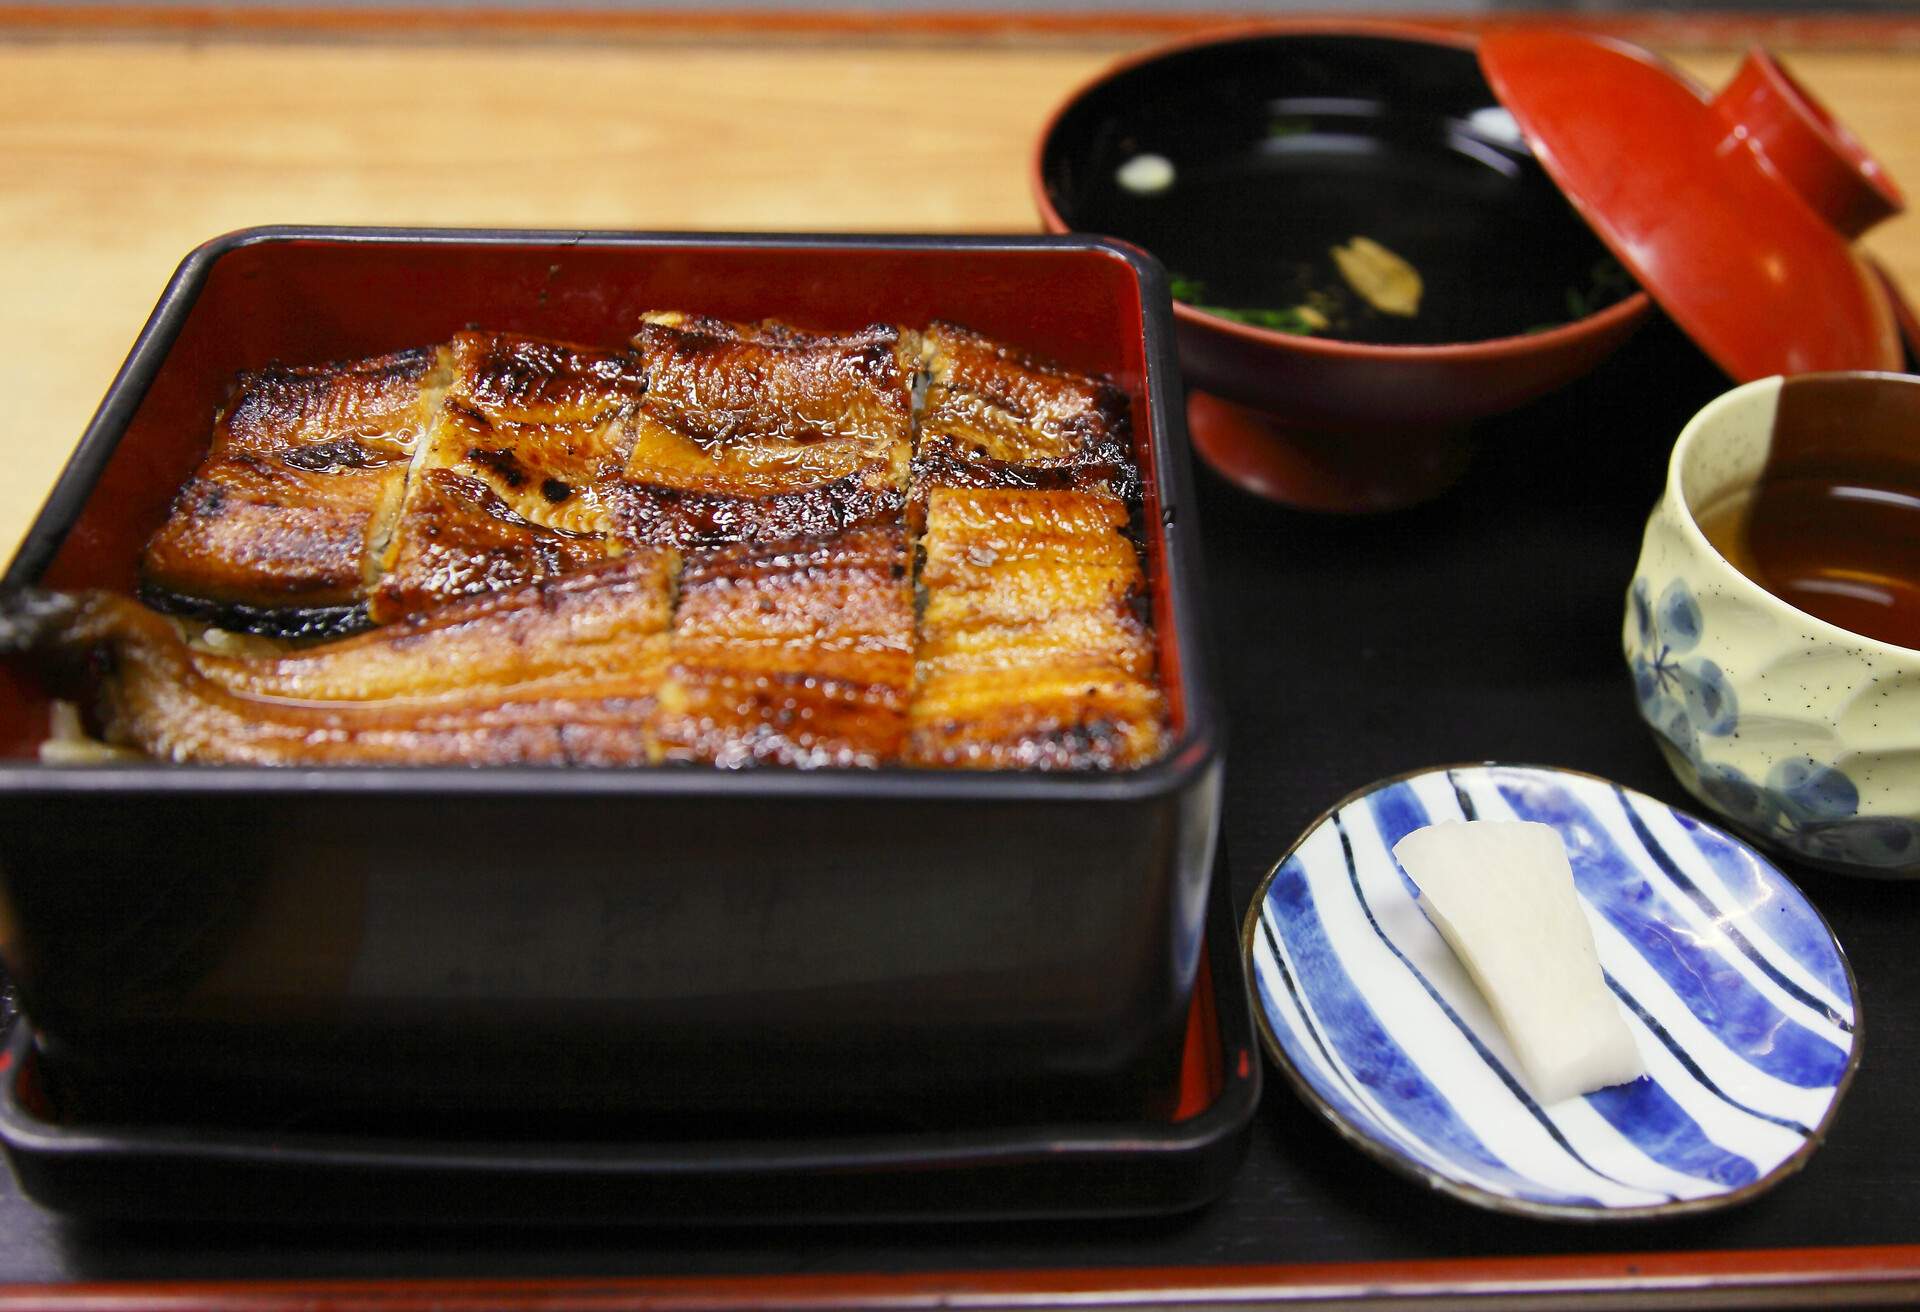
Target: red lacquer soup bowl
(1242,160)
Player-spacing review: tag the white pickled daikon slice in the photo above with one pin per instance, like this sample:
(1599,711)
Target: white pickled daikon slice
(1501,893)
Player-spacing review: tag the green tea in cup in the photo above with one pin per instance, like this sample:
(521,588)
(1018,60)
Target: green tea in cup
(1832,525)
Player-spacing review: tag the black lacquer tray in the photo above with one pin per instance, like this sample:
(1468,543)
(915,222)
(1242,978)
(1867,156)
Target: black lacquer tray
(1484,626)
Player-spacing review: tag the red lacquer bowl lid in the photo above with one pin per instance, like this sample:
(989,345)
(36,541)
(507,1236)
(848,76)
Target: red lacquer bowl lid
(1736,211)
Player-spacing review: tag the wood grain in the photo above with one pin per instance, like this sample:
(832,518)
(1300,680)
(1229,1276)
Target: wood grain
(117,156)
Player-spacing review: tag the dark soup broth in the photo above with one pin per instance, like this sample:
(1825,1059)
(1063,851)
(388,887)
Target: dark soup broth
(1243,174)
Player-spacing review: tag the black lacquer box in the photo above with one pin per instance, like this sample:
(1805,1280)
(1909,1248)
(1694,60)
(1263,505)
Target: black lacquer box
(788,946)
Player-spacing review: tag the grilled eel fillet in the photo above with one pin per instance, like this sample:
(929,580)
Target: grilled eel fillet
(780,461)
(796,653)
(277,528)
(1030,654)
(396,484)
(763,433)
(508,486)
(997,418)
(562,671)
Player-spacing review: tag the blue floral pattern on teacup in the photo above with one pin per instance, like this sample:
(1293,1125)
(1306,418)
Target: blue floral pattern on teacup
(1807,806)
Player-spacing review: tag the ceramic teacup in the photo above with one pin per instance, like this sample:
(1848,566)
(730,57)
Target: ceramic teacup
(1803,733)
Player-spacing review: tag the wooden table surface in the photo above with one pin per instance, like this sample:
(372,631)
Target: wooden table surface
(123,147)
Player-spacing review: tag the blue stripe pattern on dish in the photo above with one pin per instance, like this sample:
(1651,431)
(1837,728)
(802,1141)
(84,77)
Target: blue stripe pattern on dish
(1804,936)
(1738,998)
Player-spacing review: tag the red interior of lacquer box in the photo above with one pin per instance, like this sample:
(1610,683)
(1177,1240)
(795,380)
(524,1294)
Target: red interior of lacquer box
(307,300)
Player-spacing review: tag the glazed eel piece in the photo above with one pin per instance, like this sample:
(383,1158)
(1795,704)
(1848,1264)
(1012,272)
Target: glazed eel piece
(995,417)
(561,671)
(794,653)
(764,433)
(1032,653)
(339,495)
(280,527)
(507,485)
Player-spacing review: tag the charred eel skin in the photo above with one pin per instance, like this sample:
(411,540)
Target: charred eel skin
(309,623)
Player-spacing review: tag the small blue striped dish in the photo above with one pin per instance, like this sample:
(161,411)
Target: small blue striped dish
(1736,993)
